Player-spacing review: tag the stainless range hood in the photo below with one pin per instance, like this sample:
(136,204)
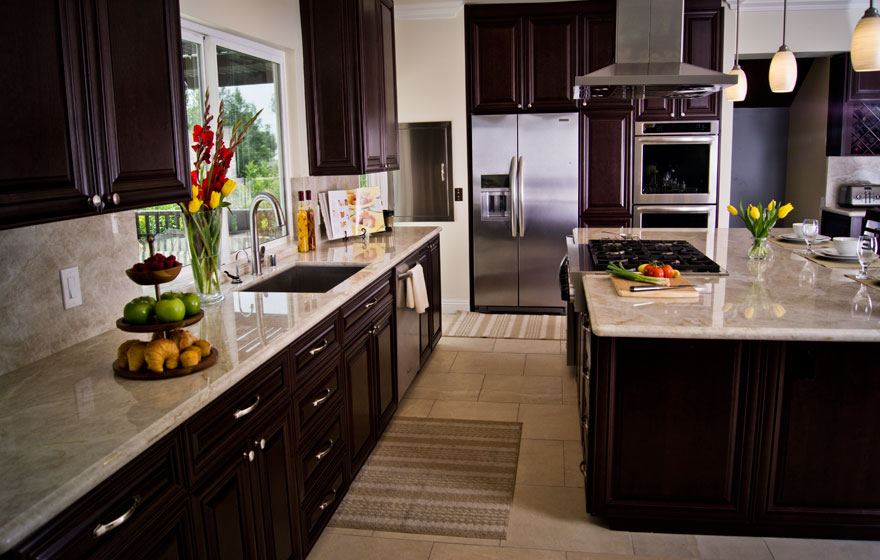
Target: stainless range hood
(648,58)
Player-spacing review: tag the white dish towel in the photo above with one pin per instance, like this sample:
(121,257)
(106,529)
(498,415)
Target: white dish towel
(416,293)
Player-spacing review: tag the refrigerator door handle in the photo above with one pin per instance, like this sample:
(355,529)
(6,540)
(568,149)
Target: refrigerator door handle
(521,197)
(512,197)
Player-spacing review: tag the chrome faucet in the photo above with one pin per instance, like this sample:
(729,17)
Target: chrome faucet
(252,218)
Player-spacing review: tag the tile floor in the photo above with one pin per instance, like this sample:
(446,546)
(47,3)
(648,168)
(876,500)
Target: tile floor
(528,381)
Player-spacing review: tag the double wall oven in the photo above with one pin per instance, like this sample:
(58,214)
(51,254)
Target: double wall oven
(675,174)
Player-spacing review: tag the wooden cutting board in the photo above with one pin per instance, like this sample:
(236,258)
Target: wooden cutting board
(622,287)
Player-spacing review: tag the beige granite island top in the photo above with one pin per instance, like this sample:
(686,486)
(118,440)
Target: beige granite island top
(787,298)
(68,422)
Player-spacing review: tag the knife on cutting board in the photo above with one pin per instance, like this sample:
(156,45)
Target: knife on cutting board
(654,288)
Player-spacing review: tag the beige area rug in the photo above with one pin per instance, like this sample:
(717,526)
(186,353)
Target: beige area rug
(436,477)
(494,325)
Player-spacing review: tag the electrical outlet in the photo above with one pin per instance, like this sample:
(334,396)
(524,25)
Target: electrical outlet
(71,292)
(459,195)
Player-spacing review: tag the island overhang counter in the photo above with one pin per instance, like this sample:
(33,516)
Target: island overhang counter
(753,409)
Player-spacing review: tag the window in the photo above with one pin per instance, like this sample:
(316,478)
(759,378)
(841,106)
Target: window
(247,78)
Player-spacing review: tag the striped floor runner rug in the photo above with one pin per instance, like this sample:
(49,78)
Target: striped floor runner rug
(494,325)
(436,477)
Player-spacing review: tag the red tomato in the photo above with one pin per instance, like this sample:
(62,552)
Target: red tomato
(668,271)
(648,270)
(657,272)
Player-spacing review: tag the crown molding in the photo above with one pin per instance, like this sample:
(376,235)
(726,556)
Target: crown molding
(795,5)
(446,9)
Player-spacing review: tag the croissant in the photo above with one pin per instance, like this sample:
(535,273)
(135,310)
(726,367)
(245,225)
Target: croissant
(121,353)
(190,356)
(183,339)
(135,355)
(204,345)
(159,352)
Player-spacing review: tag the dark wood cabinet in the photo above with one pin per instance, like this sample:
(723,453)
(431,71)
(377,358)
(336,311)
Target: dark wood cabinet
(434,292)
(702,46)
(606,132)
(550,61)
(853,106)
(99,124)
(424,259)
(357,358)
(495,64)
(351,99)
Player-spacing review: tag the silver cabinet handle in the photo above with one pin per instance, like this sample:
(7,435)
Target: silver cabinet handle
(682,113)
(328,500)
(319,349)
(519,105)
(371,303)
(114,198)
(327,392)
(443,172)
(522,198)
(245,411)
(529,105)
(672,114)
(104,528)
(512,182)
(261,444)
(321,454)
(96,201)
(249,455)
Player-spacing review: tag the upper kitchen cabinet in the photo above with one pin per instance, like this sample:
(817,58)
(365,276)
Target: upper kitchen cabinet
(96,119)
(606,131)
(853,106)
(702,47)
(351,93)
(522,57)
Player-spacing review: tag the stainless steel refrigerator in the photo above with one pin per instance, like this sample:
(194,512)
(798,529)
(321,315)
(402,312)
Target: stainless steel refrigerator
(524,201)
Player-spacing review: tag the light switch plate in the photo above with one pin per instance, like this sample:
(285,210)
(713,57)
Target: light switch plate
(459,195)
(71,292)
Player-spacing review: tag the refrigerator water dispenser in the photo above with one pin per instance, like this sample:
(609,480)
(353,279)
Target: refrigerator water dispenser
(494,198)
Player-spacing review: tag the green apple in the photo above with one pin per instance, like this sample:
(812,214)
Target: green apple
(137,312)
(192,303)
(170,310)
(171,295)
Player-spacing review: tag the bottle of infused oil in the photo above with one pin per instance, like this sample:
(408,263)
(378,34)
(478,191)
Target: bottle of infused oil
(311,212)
(302,225)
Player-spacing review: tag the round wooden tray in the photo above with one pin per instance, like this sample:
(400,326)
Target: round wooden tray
(206,362)
(158,327)
(152,277)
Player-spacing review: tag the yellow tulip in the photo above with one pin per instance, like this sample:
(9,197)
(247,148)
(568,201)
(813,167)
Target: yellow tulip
(771,205)
(732,210)
(783,211)
(215,199)
(228,187)
(749,312)
(194,205)
(778,310)
(753,212)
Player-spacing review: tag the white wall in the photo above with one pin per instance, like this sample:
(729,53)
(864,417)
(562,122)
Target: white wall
(431,87)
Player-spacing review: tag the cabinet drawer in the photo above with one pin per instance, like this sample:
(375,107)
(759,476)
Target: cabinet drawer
(364,303)
(320,508)
(208,432)
(321,453)
(322,395)
(318,343)
(117,510)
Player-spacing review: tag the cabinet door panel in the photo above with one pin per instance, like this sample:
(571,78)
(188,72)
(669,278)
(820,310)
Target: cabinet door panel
(386,366)
(821,457)
(357,369)
(45,173)
(550,61)
(598,36)
(495,60)
(389,72)
(226,514)
(434,293)
(173,539)
(606,145)
(140,103)
(662,109)
(425,318)
(372,85)
(275,466)
(702,47)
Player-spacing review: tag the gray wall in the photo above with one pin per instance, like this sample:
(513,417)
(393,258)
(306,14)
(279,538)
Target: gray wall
(760,155)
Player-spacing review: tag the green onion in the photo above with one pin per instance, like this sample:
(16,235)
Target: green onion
(617,270)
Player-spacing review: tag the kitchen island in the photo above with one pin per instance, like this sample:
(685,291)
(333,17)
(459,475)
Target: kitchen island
(752,409)
(69,424)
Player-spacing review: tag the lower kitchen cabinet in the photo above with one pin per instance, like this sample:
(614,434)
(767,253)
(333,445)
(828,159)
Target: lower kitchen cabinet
(433,287)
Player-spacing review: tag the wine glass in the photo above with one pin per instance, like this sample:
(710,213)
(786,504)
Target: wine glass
(862,306)
(811,230)
(867,252)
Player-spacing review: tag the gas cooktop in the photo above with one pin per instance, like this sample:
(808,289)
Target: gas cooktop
(633,252)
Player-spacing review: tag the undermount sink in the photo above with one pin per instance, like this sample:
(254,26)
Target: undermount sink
(306,278)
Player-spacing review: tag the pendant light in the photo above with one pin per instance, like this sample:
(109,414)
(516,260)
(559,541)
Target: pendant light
(737,92)
(783,67)
(865,46)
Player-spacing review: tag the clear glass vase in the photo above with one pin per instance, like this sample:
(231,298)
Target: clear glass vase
(203,238)
(759,250)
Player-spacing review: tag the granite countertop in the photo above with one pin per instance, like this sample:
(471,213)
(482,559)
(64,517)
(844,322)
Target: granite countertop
(787,298)
(68,422)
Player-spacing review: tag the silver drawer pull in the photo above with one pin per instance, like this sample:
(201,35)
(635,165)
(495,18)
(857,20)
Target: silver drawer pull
(324,453)
(327,392)
(245,411)
(327,501)
(319,349)
(107,527)
(371,303)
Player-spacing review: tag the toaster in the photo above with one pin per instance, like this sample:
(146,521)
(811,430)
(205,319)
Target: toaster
(859,195)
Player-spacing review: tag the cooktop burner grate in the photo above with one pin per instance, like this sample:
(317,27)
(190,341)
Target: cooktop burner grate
(633,252)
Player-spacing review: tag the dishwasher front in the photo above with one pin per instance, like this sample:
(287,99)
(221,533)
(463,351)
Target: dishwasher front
(407,332)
